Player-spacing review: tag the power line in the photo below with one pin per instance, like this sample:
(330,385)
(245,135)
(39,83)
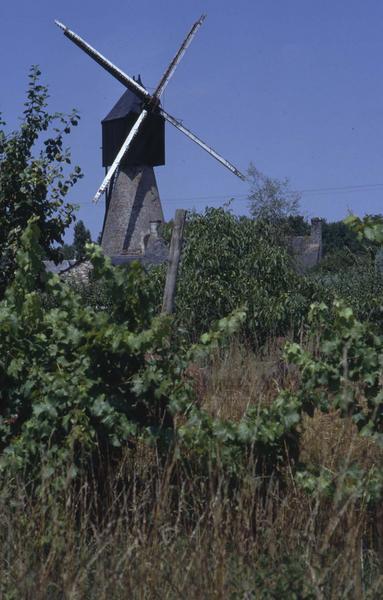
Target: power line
(344,187)
(244,197)
(367,187)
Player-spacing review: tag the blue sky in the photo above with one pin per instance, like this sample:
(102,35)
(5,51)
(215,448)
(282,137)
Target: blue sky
(295,86)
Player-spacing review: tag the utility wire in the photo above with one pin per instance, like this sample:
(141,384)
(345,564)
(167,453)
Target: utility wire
(368,187)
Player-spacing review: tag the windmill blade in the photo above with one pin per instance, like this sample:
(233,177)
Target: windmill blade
(198,141)
(122,77)
(120,156)
(177,58)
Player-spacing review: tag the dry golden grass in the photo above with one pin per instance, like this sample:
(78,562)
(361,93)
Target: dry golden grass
(170,531)
(164,534)
(331,441)
(239,377)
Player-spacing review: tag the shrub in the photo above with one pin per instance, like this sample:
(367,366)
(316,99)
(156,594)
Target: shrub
(35,185)
(73,378)
(228,262)
(79,382)
(360,286)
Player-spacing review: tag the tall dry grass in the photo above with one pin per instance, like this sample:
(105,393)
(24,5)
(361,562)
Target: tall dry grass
(167,531)
(238,377)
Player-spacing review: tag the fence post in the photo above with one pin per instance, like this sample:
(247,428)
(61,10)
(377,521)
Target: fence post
(174,261)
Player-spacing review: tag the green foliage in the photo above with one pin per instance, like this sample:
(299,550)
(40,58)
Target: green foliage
(344,370)
(34,185)
(273,579)
(228,262)
(345,256)
(296,225)
(67,252)
(269,434)
(340,369)
(338,236)
(350,269)
(360,285)
(270,200)
(78,382)
(73,378)
(81,238)
(338,261)
(369,228)
(350,481)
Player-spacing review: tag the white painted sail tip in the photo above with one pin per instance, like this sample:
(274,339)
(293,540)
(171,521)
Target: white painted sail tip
(202,18)
(61,25)
(97,197)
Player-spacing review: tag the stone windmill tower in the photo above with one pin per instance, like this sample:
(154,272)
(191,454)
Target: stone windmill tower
(133,143)
(133,204)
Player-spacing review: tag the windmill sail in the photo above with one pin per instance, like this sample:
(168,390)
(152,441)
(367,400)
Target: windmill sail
(150,101)
(177,58)
(117,73)
(202,144)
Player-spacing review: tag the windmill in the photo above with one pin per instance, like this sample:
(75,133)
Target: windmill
(133,143)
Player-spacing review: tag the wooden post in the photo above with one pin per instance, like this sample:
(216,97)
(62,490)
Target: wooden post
(174,261)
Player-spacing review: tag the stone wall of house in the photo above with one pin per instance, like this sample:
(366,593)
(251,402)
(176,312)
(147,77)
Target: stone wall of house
(74,270)
(153,251)
(307,249)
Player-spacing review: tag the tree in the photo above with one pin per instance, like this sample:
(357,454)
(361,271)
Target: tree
(297,225)
(81,238)
(231,261)
(338,236)
(67,251)
(33,178)
(271,200)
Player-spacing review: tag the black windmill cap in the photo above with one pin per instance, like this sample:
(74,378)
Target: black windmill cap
(128,102)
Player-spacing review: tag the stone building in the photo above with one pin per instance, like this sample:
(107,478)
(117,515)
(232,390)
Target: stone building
(307,249)
(151,249)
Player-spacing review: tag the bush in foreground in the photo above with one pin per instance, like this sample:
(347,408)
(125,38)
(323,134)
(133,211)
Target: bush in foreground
(33,178)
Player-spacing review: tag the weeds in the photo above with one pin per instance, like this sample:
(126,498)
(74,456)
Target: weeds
(162,530)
